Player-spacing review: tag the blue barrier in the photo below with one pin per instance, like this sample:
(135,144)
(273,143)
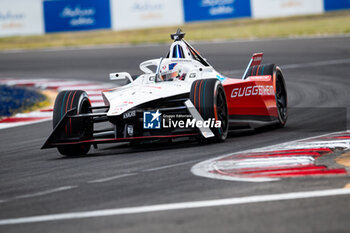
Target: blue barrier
(16,99)
(331,5)
(198,10)
(76,15)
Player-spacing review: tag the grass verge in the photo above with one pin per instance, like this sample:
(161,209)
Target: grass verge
(330,23)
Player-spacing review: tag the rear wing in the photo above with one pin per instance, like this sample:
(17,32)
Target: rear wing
(254,61)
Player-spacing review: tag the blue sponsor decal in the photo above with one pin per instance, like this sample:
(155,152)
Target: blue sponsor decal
(76,15)
(331,5)
(197,10)
(151,120)
(172,65)
(220,78)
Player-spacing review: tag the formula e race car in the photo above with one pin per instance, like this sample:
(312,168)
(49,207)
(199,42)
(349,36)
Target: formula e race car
(180,95)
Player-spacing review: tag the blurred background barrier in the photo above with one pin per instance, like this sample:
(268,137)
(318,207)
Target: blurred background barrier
(331,5)
(284,8)
(133,14)
(21,17)
(76,15)
(33,17)
(198,10)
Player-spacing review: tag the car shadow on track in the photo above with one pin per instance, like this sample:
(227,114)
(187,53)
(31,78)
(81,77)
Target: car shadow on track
(127,148)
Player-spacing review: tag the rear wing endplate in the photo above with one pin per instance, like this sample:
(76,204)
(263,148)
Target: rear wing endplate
(254,61)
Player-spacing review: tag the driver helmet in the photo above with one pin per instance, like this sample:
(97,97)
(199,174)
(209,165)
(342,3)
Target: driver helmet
(171,72)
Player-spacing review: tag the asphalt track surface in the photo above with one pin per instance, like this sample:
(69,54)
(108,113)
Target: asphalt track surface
(40,182)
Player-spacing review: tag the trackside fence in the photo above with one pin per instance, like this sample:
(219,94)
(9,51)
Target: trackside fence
(35,17)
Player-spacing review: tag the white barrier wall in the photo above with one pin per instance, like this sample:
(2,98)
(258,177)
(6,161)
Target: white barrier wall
(26,17)
(21,17)
(132,14)
(281,8)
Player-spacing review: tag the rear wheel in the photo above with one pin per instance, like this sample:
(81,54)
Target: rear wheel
(81,128)
(279,86)
(208,96)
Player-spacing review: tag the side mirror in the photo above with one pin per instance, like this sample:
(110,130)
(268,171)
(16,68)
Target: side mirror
(120,76)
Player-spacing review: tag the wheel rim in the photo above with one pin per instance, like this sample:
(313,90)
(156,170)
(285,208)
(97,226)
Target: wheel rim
(221,110)
(85,108)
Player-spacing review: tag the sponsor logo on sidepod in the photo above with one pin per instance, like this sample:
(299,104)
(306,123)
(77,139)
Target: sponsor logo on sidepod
(252,91)
(129,114)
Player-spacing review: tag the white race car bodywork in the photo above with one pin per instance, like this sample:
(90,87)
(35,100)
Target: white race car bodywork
(146,88)
(183,84)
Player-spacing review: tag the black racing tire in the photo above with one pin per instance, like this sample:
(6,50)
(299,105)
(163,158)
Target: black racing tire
(209,98)
(266,69)
(81,128)
(281,97)
(279,87)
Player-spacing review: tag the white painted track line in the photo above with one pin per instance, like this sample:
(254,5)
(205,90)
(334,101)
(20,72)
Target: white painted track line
(169,166)
(177,206)
(38,194)
(263,162)
(46,192)
(111,178)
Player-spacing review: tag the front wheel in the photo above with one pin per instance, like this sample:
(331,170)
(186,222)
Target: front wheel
(75,128)
(208,96)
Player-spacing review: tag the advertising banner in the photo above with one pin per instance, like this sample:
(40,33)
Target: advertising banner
(331,5)
(75,15)
(282,8)
(134,14)
(21,17)
(198,10)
